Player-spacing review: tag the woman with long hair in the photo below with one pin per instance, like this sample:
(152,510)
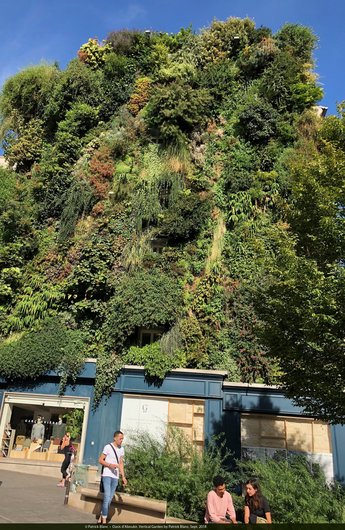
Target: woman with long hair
(257,509)
(68,450)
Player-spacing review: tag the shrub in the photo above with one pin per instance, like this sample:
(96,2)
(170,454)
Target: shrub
(34,353)
(220,80)
(134,44)
(258,122)
(186,216)
(297,40)
(145,299)
(297,490)
(93,53)
(156,361)
(101,171)
(79,119)
(26,94)
(117,83)
(77,84)
(51,181)
(140,95)
(23,149)
(224,40)
(175,110)
(7,188)
(238,168)
(289,85)
(254,59)
(122,42)
(174,470)
(79,200)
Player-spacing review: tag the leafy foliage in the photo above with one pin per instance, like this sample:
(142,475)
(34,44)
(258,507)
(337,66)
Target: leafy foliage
(74,422)
(298,40)
(258,123)
(224,40)
(182,182)
(24,148)
(140,95)
(25,96)
(173,470)
(93,54)
(32,354)
(157,362)
(176,109)
(305,329)
(143,299)
(281,478)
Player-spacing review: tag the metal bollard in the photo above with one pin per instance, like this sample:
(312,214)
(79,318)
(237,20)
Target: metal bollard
(68,485)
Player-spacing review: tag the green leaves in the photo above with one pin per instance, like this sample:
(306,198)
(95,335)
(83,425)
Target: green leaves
(26,94)
(290,483)
(142,299)
(175,471)
(206,143)
(175,110)
(304,315)
(156,361)
(33,353)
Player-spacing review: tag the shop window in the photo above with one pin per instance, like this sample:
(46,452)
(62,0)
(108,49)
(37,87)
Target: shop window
(260,433)
(37,423)
(154,415)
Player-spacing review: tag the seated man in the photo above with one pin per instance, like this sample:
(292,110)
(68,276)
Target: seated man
(219,504)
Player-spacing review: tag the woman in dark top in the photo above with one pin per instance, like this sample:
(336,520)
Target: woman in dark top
(257,509)
(68,450)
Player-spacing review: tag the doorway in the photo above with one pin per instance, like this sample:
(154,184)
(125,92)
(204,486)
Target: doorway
(21,411)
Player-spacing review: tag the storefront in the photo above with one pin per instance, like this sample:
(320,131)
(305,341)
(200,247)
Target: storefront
(257,420)
(22,411)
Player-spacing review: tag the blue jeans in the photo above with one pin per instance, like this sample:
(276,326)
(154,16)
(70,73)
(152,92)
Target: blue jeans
(109,486)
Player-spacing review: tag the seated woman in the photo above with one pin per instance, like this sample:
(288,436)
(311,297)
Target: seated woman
(256,510)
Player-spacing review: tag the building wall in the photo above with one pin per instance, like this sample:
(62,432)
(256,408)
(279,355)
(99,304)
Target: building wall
(224,403)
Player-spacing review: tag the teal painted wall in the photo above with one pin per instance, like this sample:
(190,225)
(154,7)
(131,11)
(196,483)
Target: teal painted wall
(223,405)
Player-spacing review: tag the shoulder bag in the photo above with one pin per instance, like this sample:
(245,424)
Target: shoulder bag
(101,487)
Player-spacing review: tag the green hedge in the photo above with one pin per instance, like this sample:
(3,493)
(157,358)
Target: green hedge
(31,354)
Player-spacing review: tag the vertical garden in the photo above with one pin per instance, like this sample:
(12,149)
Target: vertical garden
(176,201)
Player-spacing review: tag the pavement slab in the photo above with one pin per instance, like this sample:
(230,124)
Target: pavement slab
(28,498)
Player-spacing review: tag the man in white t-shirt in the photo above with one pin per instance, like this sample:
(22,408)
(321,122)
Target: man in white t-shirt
(111,460)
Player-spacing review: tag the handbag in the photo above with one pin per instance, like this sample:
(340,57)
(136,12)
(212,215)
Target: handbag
(101,486)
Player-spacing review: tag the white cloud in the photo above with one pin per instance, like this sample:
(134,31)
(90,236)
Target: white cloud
(122,18)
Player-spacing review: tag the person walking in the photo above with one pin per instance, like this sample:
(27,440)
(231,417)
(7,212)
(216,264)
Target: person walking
(219,504)
(257,509)
(68,450)
(112,461)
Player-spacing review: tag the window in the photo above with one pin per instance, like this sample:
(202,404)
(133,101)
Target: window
(153,414)
(283,433)
(148,336)
(158,244)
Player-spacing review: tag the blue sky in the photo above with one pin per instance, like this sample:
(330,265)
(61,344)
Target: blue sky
(53,30)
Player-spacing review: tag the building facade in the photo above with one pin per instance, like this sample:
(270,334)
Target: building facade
(257,420)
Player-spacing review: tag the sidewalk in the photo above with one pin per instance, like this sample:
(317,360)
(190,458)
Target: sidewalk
(33,499)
